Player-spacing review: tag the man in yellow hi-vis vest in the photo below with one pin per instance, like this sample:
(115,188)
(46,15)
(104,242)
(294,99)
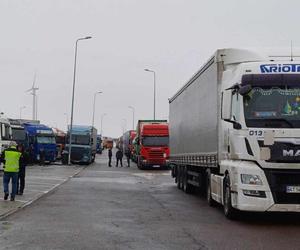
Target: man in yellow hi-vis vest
(10,157)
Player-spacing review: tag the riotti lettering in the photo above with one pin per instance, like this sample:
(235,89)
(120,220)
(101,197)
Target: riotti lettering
(280,68)
(291,153)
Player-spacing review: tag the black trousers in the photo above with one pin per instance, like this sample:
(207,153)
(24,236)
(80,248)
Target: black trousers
(128,161)
(21,181)
(109,161)
(119,160)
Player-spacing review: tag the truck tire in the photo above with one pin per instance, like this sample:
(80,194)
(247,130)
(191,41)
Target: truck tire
(209,199)
(229,211)
(139,164)
(179,177)
(187,187)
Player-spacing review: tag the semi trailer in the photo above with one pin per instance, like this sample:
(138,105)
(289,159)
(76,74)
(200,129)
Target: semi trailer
(235,131)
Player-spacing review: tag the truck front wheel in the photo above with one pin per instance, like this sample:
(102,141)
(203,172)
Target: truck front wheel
(229,211)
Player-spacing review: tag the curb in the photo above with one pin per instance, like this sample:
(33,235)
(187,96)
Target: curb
(40,196)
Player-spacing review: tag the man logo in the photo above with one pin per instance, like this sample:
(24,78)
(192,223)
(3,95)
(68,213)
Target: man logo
(291,153)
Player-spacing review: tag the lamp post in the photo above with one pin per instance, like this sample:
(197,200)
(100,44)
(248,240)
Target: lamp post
(154,92)
(102,116)
(133,110)
(21,108)
(94,104)
(73,92)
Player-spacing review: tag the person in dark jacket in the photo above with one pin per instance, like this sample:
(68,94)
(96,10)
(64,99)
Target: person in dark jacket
(23,163)
(128,156)
(109,157)
(119,156)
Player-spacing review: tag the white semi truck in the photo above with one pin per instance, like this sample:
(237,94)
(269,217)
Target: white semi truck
(5,134)
(235,131)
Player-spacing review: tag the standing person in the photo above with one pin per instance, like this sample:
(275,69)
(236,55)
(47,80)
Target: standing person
(21,176)
(119,156)
(42,157)
(128,156)
(109,157)
(10,157)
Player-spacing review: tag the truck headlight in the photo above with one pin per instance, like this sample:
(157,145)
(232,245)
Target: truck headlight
(165,155)
(251,179)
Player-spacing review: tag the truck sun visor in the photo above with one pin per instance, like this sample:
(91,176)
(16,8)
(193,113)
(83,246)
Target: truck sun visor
(271,80)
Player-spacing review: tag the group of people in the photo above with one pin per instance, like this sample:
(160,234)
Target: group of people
(119,157)
(14,160)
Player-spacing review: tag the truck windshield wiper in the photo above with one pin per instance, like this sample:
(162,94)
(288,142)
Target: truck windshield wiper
(280,120)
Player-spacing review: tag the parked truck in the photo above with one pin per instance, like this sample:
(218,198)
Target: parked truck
(41,142)
(127,139)
(5,134)
(84,143)
(239,141)
(152,144)
(99,144)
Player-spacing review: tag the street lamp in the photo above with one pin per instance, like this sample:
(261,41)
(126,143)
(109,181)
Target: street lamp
(154,81)
(99,92)
(133,110)
(21,108)
(102,116)
(73,92)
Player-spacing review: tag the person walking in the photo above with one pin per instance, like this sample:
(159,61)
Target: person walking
(109,157)
(21,176)
(119,156)
(10,157)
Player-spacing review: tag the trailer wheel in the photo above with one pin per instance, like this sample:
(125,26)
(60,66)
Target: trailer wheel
(187,187)
(178,177)
(209,199)
(229,211)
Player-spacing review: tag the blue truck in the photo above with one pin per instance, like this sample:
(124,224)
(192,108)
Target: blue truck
(41,142)
(84,142)
(99,144)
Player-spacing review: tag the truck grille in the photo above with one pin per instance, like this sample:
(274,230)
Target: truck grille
(156,154)
(76,154)
(279,180)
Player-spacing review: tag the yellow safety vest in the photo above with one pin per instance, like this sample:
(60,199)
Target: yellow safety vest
(12,159)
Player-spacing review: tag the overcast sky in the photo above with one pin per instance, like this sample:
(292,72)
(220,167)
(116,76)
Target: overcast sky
(172,37)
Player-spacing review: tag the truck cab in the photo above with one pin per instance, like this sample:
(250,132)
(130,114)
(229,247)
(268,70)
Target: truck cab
(41,139)
(84,142)
(152,144)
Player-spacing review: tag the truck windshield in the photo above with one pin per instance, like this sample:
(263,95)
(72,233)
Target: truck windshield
(273,107)
(156,141)
(45,139)
(18,134)
(80,139)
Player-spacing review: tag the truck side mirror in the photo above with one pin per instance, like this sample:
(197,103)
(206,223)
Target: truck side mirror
(226,105)
(244,90)
(3,130)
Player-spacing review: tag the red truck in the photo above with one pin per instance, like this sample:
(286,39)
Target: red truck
(152,144)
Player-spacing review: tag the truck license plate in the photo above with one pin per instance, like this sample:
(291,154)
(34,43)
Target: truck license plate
(293,189)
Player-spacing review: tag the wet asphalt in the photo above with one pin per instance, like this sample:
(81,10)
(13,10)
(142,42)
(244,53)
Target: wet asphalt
(126,208)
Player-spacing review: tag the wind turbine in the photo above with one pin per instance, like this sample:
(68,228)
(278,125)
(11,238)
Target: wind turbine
(34,98)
